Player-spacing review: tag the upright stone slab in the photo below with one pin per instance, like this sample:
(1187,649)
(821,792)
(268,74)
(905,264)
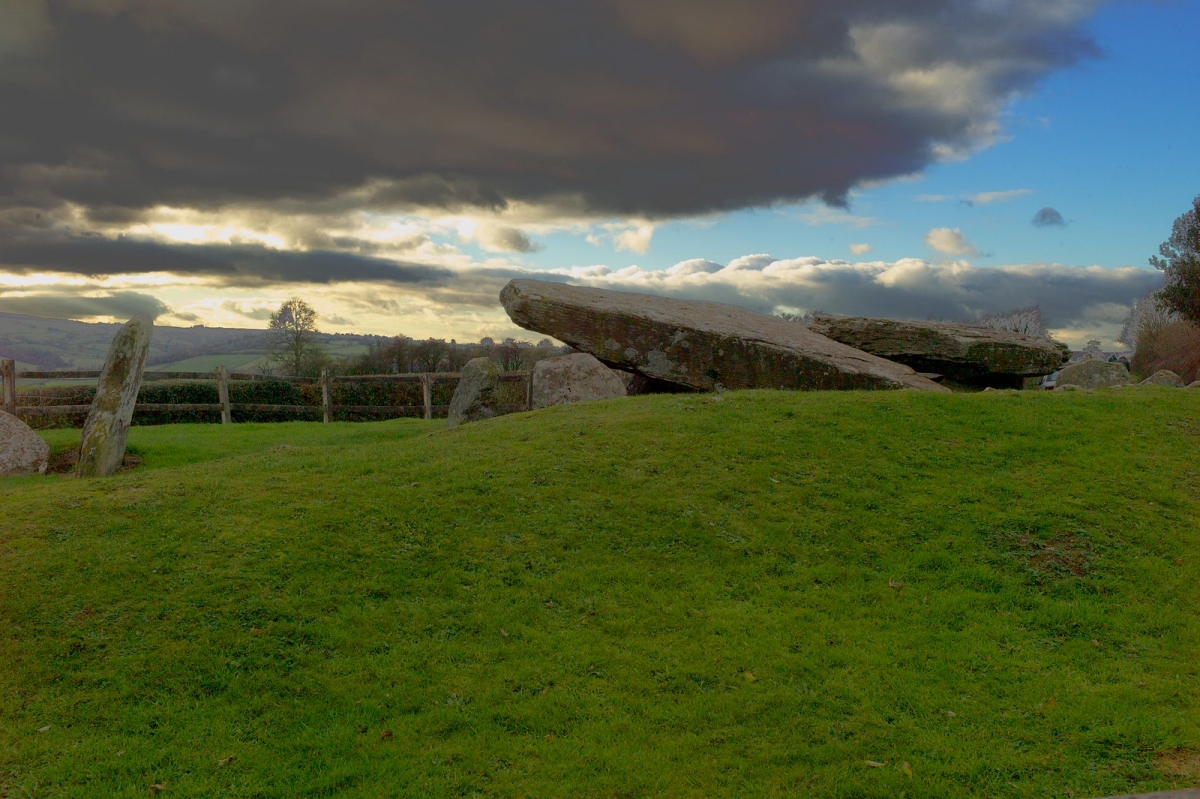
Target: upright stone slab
(475,395)
(22,451)
(698,345)
(1093,373)
(577,377)
(962,353)
(107,425)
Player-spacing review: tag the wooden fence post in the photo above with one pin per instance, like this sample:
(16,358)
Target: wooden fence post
(427,392)
(8,389)
(223,394)
(327,395)
(529,391)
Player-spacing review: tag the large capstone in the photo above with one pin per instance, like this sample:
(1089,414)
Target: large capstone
(22,451)
(577,377)
(1093,373)
(475,397)
(975,356)
(107,425)
(699,345)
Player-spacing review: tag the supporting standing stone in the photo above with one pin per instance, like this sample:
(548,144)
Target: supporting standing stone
(8,392)
(107,426)
(577,377)
(475,396)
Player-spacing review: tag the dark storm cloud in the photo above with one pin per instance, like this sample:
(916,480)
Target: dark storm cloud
(1048,217)
(226,265)
(654,107)
(53,305)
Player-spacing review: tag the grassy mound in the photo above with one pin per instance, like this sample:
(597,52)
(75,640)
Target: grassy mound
(764,593)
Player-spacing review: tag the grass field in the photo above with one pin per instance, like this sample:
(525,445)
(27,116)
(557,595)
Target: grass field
(758,594)
(209,363)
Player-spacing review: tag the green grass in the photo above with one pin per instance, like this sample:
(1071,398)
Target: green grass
(209,363)
(749,595)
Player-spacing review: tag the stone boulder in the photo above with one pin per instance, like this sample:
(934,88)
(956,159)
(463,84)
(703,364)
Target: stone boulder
(699,345)
(577,377)
(475,396)
(1193,384)
(107,427)
(1093,373)
(1163,377)
(977,356)
(22,451)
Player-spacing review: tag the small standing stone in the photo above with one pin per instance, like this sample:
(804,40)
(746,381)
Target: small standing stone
(22,451)
(475,396)
(577,377)
(107,427)
(1163,377)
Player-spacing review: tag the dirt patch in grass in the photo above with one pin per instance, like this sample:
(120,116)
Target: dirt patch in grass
(63,462)
(1182,766)
(1045,555)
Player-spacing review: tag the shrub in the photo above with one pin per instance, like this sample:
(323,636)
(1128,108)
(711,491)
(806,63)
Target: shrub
(1175,346)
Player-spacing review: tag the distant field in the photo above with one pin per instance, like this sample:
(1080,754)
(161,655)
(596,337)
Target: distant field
(209,363)
(854,594)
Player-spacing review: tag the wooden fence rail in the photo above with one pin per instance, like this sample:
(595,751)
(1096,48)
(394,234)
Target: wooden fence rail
(10,375)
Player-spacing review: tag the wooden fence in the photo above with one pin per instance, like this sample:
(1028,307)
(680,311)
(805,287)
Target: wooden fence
(10,375)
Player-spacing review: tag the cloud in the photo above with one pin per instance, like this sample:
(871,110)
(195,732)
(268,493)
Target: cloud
(950,241)
(861,249)
(225,265)
(1078,302)
(978,198)
(259,313)
(824,215)
(988,197)
(628,108)
(1048,217)
(119,305)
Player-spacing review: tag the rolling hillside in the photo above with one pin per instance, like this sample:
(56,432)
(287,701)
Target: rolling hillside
(755,594)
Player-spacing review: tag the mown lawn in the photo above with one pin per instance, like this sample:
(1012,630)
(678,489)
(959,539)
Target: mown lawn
(758,594)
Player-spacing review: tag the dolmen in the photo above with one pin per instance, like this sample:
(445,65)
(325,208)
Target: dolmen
(702,346)
(107,427)
(973,356)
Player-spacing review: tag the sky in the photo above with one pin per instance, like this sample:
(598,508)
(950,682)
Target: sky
(396,163)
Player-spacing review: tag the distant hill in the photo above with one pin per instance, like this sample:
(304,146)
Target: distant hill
(40,343)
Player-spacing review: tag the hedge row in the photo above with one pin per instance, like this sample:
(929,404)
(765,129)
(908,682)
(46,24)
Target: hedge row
(252,392)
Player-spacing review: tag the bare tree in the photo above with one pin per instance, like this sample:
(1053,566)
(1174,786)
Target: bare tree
(291,339)
(1019,320)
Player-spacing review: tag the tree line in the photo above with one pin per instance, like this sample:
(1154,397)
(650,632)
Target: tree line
(292,349)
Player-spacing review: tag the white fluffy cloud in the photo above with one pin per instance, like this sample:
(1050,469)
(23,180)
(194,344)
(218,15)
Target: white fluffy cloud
(861,249)
(950,241)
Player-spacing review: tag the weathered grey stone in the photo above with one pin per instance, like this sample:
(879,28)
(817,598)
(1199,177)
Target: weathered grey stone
(107,427)
(961,353)
(700,345)
(22,451)
(475,396)
(1093,373)
(1193,384)
(1163,377)
(577,377)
